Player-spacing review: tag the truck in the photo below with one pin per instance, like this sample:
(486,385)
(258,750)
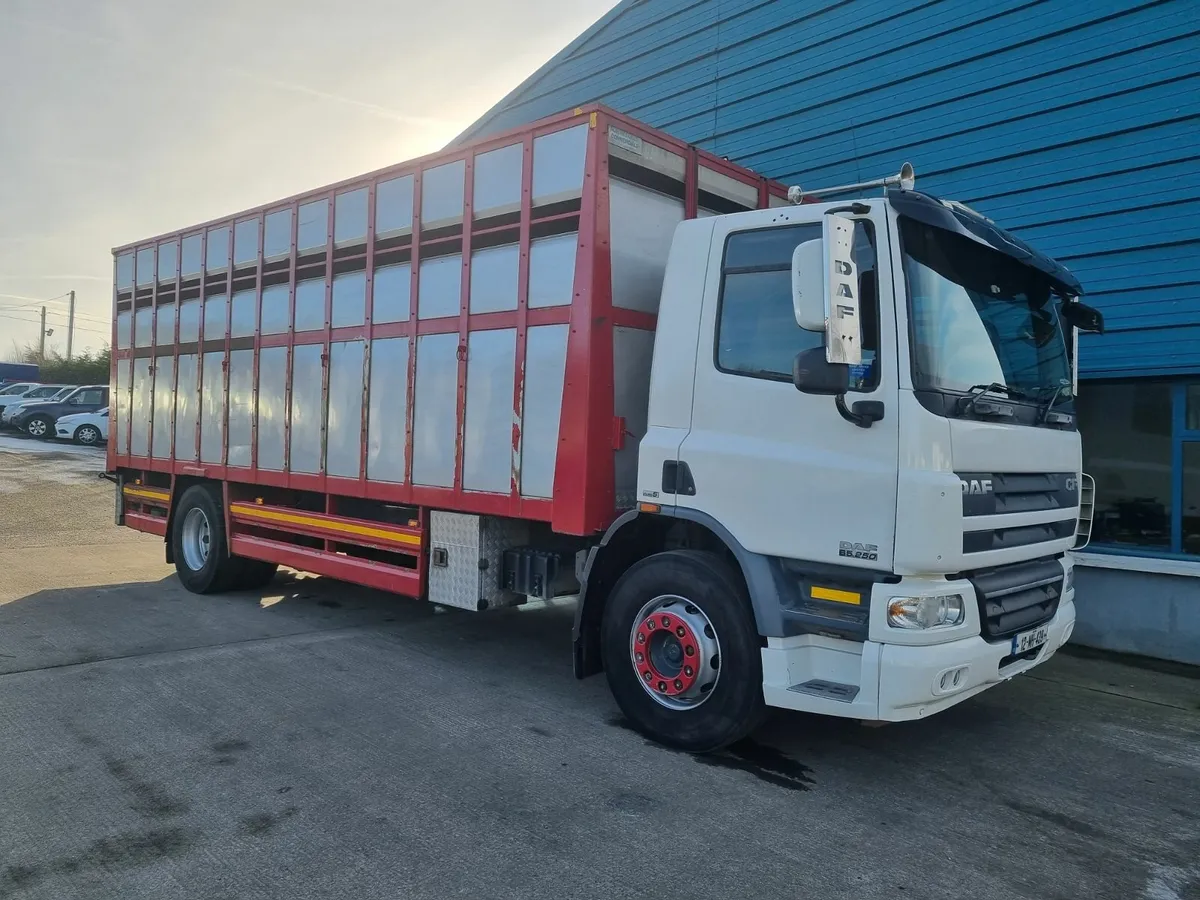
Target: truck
(780,450)
(13,372)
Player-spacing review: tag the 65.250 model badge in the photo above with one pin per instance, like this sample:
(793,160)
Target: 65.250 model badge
(855,550)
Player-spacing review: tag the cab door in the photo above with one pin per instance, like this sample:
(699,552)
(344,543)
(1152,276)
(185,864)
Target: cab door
(784,471)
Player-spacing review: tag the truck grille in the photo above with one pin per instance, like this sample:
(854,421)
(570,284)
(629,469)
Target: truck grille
(997,493)
(1016,536)
(1018,597)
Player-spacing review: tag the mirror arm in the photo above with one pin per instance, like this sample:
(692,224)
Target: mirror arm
(864,413)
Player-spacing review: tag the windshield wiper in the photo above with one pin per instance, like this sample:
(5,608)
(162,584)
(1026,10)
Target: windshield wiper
(1055,394)
(971,403)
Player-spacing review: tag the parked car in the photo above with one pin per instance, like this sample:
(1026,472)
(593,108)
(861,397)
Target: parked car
(35,393)
(37,419)
(83,428)
(43,393)
(16,387)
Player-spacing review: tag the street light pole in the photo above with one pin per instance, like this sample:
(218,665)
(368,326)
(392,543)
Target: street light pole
(70,324)
(42,340)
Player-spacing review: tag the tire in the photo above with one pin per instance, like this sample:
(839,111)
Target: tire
(685,589)
(88,435)
(40,427)
(198,543)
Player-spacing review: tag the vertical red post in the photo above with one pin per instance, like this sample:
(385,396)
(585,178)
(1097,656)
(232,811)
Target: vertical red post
(291,342)
(522,316)
(464,327)
(258,277)
(585,449)
(330,213)
(414,297)
(368,336)
(175,344)
(691,184)
(200,342)
(225,365)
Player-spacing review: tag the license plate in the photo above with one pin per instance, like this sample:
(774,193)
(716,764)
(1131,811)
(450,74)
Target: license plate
(1030,640)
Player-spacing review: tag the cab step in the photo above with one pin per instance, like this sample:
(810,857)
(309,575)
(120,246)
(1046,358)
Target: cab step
(831,690)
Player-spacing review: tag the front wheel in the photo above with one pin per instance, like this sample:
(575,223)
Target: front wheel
(39,427)
(88,435)
(682,653)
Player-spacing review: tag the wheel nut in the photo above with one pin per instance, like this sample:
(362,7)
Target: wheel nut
(649,623)
(639,657)
(641,638)
(689,650)
(646,675)
(688,670)
(678,685)
(680,631)
(662,687)
(666,620)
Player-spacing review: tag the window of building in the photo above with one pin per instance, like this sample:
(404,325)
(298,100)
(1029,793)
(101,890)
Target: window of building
(757,334)
(1141,444)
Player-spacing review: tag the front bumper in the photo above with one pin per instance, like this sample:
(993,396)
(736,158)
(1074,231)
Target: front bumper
(62,432)
(893,682)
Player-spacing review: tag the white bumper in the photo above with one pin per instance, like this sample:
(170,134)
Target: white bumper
(896,683)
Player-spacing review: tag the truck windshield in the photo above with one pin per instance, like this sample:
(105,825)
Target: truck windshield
(980,317)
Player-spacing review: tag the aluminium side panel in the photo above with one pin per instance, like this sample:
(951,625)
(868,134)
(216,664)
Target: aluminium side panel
(139,411)
(387,420)
(308,419)
(241,407)
(488,429)
(643,225)
(545,368)
(120,423)
(435,411)
(343,449)
(272,406)
(164,400)
(212,406)
(186,408)
(633,352)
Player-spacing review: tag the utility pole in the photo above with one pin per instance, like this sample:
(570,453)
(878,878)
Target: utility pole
(42,339)
(70,324)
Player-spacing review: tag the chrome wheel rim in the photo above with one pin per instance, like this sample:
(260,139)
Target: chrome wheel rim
(88,435)
(37,427)
(675,652)
(196,539)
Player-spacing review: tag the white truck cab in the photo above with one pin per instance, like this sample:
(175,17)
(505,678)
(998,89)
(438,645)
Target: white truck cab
(861,413)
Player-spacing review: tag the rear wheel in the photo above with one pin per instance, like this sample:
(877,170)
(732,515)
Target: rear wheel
(39,427)
(682,653)
(198,543)
(87,435)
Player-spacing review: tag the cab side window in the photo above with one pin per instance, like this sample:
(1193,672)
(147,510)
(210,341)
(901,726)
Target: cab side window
(757,334)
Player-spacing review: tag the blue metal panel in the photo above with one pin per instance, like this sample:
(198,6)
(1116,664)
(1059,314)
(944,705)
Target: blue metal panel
(1075,124)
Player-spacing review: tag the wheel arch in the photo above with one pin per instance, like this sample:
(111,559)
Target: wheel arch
(635,536)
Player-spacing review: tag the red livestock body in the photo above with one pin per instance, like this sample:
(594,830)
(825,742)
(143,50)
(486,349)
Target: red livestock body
(279,352)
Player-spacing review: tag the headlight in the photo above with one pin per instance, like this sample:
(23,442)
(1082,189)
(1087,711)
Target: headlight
(926,612)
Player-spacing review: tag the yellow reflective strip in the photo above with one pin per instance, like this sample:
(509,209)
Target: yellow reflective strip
(823,593)
(149,495)
(343,527)
(592,120)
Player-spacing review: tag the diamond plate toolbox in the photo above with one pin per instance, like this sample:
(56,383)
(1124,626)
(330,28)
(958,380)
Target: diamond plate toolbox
(465,556)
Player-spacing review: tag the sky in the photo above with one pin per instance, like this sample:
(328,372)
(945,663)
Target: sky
(123,119)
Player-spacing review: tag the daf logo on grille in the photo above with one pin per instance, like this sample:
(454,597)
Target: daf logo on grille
(1072,483)
(977,486)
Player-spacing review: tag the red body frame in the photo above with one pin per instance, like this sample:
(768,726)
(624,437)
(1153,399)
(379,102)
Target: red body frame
(583,499)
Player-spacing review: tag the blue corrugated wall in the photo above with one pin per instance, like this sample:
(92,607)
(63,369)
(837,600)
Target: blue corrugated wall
(1076,124)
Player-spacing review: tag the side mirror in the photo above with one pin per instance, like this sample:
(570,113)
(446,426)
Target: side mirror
(812,373)
(825,290)
(1081,316)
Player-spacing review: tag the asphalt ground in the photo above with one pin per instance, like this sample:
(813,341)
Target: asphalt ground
(321,740)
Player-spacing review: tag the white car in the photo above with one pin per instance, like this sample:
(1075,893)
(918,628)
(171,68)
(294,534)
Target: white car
(40,393)
(88,428)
